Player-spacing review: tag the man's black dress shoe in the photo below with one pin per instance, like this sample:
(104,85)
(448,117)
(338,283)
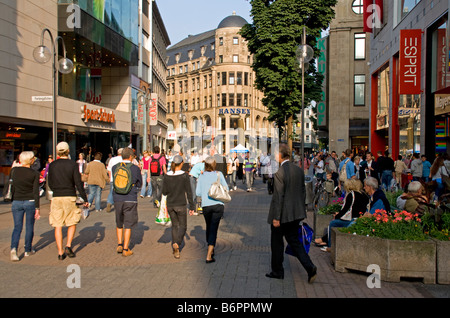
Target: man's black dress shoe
(61,257)
(69,252)
(312,275)
(273,275)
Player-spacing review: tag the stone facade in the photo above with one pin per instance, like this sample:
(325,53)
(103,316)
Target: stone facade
(211,88)
(348,119)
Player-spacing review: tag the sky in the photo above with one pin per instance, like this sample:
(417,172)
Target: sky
(190,17)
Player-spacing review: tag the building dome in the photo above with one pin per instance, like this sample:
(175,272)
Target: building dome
(232,21)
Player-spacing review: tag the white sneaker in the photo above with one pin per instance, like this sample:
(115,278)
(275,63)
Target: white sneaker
(14,256)
(32,252)
(235,188)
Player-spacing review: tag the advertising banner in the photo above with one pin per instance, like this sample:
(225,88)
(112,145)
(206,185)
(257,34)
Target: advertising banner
(410,62)
(153,111)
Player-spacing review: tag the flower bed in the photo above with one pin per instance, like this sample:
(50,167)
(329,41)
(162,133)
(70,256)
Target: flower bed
(402,244)
(396,258)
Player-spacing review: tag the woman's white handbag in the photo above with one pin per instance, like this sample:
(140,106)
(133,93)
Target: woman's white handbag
(218,191)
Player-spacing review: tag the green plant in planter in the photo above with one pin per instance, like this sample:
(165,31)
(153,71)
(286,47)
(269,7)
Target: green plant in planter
(392,196)
(401,225)
(333,208)
(438,230)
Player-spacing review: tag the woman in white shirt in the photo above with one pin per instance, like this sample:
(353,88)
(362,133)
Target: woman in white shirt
(438,170)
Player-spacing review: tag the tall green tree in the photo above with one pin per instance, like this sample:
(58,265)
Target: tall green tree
(273,38)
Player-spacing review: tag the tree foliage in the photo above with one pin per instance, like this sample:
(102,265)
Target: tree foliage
(273,38)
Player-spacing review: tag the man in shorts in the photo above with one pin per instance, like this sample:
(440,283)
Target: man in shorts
(64,180)
(126,205)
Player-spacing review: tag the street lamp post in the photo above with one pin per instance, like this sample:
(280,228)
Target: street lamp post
(42,54)
(304,54)
(144,99)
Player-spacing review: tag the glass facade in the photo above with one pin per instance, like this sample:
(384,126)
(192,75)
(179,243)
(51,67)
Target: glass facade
(120,15)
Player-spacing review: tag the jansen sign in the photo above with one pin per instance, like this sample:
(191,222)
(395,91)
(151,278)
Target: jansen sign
(410,62)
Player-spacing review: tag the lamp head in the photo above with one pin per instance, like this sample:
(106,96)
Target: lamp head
(65,65)
(42,54)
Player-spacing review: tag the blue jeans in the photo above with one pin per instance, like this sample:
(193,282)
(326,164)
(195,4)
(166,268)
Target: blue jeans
(386,178)
(336,223)
(95,192)
(144,185)
(19,210)
(110,199)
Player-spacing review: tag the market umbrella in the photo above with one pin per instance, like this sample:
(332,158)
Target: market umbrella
(239,149)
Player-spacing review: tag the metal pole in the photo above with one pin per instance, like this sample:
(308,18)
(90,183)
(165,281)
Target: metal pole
(303,103)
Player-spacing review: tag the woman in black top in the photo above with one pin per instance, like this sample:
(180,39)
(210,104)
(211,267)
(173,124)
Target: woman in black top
(25,203)
(177,187)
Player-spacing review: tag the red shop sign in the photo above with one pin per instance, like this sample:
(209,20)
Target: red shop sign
(410,61)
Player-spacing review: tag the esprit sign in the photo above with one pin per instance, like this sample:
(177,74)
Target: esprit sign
(410,62)
(153,110)
(100,115)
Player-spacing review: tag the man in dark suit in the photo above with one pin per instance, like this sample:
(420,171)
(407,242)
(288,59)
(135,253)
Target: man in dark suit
(286,211)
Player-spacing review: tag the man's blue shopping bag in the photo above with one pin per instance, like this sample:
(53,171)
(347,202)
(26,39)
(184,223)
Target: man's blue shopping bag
(305,236)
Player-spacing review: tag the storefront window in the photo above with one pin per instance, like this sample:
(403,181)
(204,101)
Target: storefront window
(439,77)
(409,124)
(383,98)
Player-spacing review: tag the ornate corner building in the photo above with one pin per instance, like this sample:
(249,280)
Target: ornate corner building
(211,96)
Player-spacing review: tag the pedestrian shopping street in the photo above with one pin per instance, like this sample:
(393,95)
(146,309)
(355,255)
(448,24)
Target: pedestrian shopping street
(242,259)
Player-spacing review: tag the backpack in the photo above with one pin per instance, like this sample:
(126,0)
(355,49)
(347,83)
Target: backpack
(155,167)
(343,173)
(122,180)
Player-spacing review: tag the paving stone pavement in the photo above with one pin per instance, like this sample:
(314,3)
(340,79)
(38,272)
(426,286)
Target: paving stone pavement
(242,260)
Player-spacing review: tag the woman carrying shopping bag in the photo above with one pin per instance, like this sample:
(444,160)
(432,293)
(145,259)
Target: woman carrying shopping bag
(177,187)
(212,209)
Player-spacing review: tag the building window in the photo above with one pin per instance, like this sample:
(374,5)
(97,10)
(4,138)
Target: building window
(181,87)
(220,58)
(360,90)
(231,99)
(221,41)
(360,46)
(185,68)
(224,99)
(193,84)
(224,78)
(239,99)
(239,78)
(235,40)
(231,78)
(245,100)
(198,83)
(235,58)
(218,78)
(185,85)
(404,7)
(358,6)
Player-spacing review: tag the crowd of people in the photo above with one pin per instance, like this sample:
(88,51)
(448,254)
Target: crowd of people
(364,181)
(184,184)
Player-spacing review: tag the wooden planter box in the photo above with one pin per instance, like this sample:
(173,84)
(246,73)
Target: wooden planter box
(321,222)
(396,259)
(443,262)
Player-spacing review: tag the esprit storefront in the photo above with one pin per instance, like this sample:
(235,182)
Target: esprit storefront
(409,112)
